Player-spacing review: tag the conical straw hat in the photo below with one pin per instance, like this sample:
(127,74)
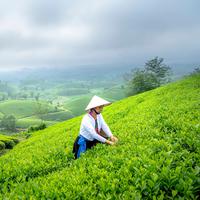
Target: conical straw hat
(97,101)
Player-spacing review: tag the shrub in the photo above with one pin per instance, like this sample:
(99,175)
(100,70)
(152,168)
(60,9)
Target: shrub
(9,144)
(2,145)
(37,128)
(8,141)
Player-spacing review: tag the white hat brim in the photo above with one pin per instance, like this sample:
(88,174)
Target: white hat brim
(97,101)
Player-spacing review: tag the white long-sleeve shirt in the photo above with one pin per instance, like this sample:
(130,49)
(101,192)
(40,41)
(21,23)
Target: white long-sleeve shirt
(88,131)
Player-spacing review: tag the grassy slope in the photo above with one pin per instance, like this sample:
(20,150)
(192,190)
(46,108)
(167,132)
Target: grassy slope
(20,108)
(31,121)
(77,104)
(115,93)
(158,153)
(48,119)
(57,116)
(24,111)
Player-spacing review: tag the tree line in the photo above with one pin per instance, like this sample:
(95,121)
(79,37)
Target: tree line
(153,74)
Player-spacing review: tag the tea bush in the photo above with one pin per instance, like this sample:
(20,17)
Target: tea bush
(157,157)
(7,142)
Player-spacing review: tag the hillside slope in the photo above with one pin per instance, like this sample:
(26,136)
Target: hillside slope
(157,157)
(22,108)
(26,112)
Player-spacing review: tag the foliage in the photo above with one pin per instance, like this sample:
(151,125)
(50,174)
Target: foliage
(158,69)
(7,142)
(8,122)
(196,71)
(6,88)
(157,157)
(154,74)
(40,109)
(3,96)
(40,97)
(37,128)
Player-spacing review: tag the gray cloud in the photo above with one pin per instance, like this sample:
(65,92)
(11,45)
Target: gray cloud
(48,13)
(37,33)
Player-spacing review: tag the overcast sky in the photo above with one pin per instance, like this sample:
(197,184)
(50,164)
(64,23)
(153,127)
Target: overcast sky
(43,33)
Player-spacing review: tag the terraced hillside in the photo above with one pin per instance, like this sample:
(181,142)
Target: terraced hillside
(25,111)
(157,157)
(21,108)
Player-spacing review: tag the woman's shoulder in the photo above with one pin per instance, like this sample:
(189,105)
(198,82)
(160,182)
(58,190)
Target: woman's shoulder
(87,120)
(99,117)
(86,117)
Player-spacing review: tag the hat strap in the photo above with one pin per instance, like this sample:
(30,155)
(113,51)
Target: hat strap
(95,111)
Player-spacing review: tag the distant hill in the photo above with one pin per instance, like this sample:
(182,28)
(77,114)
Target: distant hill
(77,104)
(26,111)
(157,157)
(22,108)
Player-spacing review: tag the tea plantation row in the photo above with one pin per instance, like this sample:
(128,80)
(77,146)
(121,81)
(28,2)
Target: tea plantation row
(7,142)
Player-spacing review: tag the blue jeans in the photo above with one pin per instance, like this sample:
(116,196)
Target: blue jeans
(82,145)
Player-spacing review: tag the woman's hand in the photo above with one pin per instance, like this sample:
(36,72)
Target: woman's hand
(114,139)
(110,142)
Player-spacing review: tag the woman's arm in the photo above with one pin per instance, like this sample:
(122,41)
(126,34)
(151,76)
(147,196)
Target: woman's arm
(107,130)
(105,127)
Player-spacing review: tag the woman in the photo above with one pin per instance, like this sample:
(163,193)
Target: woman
(93,128)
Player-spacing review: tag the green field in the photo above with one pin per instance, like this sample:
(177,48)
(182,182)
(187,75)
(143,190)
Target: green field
(25,110)
(48,119)
(22,108)
(114,93)
(157,157)
(78,104)
(31,121)
(59,108)
(57,116)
